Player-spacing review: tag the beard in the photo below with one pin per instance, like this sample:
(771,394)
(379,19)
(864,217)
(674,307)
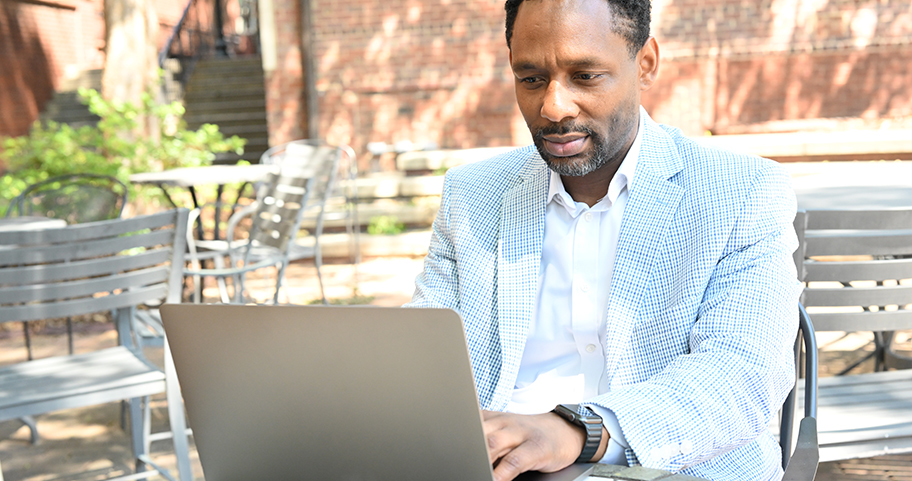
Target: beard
(577,165)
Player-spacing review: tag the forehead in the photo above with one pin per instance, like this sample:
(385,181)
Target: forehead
(564,30)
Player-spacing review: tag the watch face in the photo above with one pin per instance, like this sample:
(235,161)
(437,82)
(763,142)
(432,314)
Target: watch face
(566,412)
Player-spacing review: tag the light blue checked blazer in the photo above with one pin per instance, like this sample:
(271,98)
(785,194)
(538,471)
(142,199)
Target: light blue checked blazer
(702,313)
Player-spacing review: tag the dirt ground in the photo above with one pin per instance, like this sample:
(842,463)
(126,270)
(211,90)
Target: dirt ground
(91,440)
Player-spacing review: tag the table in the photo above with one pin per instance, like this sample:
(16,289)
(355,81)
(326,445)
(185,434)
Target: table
(853,185)
(30,222)
(607,472)
(191,177)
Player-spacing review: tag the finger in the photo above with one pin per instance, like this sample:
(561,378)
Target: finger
(501,437)
(519,460)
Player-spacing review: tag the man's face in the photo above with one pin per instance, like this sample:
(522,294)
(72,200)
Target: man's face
(576,84)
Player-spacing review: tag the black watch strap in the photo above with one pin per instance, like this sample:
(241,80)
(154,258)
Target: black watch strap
(589,421)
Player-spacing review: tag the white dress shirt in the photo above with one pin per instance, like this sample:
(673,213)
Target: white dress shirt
(564,357)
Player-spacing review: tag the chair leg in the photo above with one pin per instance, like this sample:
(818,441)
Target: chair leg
(280,280)
(69,322)
(34,437)
(880,350)
(140,420)
(176,418)
(28,340)
(318,263)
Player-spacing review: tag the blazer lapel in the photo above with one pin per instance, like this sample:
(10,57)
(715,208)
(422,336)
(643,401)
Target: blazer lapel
(522,226)
(651,205)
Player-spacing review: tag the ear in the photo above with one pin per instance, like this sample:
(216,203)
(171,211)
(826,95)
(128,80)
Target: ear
(648,61)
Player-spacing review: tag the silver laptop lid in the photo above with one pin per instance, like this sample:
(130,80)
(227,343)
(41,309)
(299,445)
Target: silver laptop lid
(329,393)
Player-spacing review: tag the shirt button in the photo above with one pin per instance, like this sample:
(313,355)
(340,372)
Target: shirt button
(588,216)
(590,348)
(584,287)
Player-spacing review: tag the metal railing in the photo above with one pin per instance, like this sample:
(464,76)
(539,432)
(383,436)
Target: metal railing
(199,34)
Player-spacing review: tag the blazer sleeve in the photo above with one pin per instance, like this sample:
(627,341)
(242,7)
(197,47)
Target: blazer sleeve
(739,367)
(438,285)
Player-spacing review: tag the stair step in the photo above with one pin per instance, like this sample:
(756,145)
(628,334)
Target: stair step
(86,79)
(213,95)
(242,130)
(244,105)
(55,110)
(235,63)
(226,83)
(236,118)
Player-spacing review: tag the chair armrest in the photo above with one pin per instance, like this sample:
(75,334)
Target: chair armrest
(236,218)
(803,463)
(232,271)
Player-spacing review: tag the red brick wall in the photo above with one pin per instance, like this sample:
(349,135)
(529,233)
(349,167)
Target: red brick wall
(423,71)
(436,70)
(41,43)
(732,67)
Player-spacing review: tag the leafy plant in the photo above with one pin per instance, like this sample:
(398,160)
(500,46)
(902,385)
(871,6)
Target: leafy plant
(385,225)
(112,147)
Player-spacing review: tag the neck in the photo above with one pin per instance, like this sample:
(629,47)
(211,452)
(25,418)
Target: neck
(591,187)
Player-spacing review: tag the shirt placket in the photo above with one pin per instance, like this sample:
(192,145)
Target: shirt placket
(584,299)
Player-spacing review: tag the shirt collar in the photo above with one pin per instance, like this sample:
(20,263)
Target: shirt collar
(622,178)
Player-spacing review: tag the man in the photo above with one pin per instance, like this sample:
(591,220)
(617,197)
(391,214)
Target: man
(617,265)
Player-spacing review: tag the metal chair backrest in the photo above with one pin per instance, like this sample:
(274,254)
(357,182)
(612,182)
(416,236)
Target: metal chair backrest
(76,198)
(857,266)
(306,173)
(91,267)
(802,463)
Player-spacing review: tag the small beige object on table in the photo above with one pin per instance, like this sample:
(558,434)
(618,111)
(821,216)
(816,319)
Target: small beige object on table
(603,472)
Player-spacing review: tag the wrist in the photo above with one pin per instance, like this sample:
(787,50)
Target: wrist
(595,438)
(603,446)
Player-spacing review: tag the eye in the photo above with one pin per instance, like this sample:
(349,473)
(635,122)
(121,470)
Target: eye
(531,83)
(588,76)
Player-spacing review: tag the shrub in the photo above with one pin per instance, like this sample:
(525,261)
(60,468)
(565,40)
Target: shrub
(111,147)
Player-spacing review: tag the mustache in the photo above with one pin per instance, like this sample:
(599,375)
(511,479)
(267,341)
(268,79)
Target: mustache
(562,129)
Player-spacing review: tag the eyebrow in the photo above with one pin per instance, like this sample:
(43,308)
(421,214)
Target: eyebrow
(585,62)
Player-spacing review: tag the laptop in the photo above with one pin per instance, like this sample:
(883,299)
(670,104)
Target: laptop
(331,393)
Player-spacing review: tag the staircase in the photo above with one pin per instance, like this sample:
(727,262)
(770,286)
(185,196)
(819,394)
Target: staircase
(230,93)
(65,106)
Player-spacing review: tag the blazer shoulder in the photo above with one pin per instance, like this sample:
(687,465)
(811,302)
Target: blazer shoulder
(496,173)
(708,165)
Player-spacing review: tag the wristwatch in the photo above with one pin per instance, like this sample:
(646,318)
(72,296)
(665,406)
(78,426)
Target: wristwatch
(592,423)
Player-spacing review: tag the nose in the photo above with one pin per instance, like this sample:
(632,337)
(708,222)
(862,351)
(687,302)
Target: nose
(559,103)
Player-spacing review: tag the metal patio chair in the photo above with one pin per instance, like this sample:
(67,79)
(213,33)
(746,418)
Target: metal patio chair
(306,175)
(857,266)
(75,198)
(97,267)
(338,200)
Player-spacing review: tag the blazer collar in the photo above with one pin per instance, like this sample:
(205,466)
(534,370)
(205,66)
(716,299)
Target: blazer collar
(651,205)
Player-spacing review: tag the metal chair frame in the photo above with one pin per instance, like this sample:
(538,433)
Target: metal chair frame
(282,201)
(106,266)
(57,197)
(801,464)
(857,266)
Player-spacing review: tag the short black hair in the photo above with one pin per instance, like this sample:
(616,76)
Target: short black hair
(632,19)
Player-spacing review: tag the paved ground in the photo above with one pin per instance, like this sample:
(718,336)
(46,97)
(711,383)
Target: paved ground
(90,440)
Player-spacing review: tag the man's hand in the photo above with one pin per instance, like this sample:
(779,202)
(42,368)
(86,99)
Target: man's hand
(542,442)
